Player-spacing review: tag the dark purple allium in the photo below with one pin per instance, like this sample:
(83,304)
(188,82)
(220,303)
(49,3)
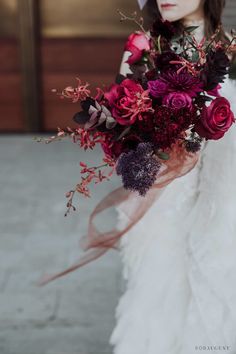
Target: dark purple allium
(138,168)
(217,66)
(163,28)
(182,82)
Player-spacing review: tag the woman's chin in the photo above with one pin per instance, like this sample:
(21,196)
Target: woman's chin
(170,17)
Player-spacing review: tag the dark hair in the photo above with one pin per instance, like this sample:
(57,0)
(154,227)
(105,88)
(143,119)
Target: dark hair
(213,10)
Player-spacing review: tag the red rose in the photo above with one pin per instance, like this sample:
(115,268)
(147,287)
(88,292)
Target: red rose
(215,119)
(137,43)
(128,101)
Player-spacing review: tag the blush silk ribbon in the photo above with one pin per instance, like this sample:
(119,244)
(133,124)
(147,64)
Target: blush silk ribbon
(96,243)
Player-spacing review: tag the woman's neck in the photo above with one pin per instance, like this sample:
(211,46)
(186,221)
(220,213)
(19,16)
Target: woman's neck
(200,23)
(196,15)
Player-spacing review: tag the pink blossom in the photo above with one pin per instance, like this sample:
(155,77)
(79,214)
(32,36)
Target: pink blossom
(78,93)
(137,43)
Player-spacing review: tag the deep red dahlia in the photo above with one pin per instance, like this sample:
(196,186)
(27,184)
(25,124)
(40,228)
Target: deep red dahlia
(182,82)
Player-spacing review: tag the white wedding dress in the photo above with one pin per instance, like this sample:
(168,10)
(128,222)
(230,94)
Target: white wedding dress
(180,260)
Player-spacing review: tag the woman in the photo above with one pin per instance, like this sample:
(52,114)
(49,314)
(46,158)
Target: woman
(179,259)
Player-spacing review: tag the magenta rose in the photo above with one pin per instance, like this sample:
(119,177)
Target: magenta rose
(158,88)
(128,101)
(215,120)
(178,100)
(137,44)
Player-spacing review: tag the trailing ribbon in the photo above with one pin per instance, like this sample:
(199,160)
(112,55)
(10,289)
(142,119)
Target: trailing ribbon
(95,243)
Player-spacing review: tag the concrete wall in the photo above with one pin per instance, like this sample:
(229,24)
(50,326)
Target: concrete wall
(230,14)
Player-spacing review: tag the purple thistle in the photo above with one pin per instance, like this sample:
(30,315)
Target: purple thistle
(138,168)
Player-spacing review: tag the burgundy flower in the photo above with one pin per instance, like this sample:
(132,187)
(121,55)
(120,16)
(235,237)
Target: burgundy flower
(166,131)
(215,69)
(163,28)
(162,60)
(171,81)
(146,124)
(178,100)
(215,120)
(137,44)
(170,125)
(151,74)
(128,101)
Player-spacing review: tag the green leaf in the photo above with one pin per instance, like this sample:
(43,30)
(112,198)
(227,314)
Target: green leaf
(205,98)
(163,155)
(125,131)
(176,38)
(190,29)
(195,56)
(144,60)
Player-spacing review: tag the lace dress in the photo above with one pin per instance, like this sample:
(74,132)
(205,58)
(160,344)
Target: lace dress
(180,261)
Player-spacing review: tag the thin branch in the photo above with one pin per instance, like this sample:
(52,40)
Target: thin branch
(133,18)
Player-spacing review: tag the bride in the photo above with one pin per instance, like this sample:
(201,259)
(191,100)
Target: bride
(180,258)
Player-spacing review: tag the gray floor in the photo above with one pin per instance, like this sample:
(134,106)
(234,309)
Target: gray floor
(75,314)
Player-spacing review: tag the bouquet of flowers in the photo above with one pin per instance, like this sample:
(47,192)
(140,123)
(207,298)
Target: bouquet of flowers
(169,100)
(152,122)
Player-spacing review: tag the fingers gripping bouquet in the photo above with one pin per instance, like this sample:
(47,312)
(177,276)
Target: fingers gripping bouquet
(151,123)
